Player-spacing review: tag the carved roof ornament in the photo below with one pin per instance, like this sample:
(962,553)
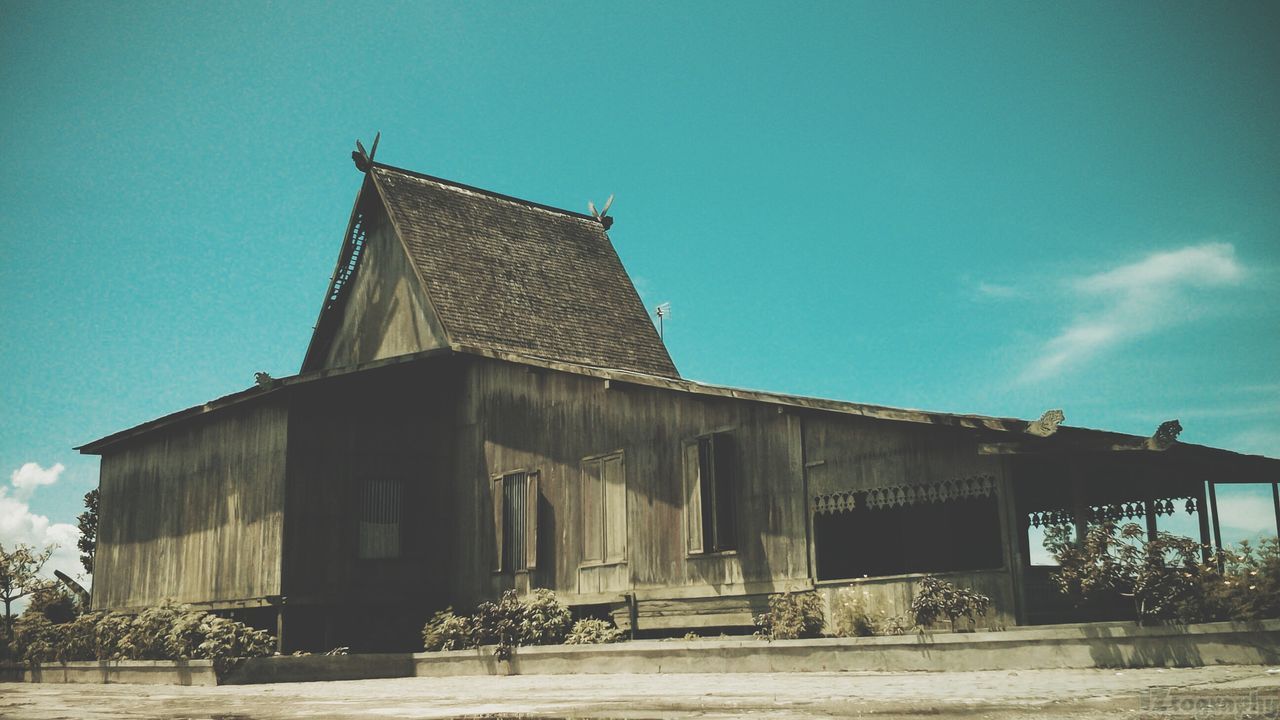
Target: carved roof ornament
(603,214)
(362,159)
(1166,435)
(1047,424)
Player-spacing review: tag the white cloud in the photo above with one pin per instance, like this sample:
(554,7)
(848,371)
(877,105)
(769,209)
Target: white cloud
(19,525)
(31,476)
(1133,300)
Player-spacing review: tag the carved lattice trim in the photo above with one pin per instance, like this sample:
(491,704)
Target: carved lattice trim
(902,495)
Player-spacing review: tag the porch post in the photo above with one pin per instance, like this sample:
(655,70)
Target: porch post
(1275,498)
(1213,512)
(1202,510)
(1149,503)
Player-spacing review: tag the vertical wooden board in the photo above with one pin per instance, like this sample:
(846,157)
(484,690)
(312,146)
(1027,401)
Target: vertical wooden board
(615,502)
(497,498)
(532,497)
(692,498)
(591,512)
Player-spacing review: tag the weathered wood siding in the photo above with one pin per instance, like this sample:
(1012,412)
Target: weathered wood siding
(385,312)
(522,418)
(193,512)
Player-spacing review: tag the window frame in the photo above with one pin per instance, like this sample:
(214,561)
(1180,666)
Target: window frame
(533,494)
(366,499)
(710,508)
(608,554)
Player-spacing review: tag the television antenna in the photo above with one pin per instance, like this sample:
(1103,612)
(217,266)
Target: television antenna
(663,312)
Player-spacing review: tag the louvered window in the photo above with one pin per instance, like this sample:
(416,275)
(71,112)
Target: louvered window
(379,519)
(515,521)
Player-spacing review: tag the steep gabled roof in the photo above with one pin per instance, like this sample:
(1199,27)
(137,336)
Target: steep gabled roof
(514,276)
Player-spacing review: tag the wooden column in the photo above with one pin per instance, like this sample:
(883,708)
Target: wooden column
(1213,515)
(1202,510)
(1275,498)
(1079,505)
(1149,502)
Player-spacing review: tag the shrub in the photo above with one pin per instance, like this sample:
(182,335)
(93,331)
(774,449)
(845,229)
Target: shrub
(35,639)
(109,634)
(790,616)
(543,619)
(936,599)
(55,603)
(147,637)
(447,631)
(79,639)
(593,631)
(1236,584)
(187,630)
(499,624)
(227,641)
(1159,576)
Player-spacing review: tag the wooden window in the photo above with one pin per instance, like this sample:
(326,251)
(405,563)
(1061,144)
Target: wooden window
(709,508)
(604,509)
(379,535)
(515,521)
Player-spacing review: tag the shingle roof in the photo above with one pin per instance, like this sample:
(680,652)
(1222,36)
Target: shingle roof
(519,277)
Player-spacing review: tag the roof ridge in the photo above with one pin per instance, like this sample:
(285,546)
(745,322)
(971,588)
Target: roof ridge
(453,184)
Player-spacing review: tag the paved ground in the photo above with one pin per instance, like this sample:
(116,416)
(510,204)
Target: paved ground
(1228,691)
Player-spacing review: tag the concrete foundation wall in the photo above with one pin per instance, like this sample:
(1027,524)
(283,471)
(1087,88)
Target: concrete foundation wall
(1097,645)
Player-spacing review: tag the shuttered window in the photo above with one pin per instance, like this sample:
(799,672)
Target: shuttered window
(604,509)
(379,535)
(515,521)
(709,494)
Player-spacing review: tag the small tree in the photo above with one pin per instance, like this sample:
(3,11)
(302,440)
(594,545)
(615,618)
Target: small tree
(1157,575)
(20,576)
(88,523)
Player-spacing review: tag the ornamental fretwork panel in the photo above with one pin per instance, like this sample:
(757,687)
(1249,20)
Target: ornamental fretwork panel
(902,495)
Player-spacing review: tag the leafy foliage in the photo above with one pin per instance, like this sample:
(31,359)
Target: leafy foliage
(165,632)
(544,620)
(850,616)
(448,631)
(937,599)
(593,631)
(1159,576)
(55,603)
(87,521)
(19,577)
(1246,588)
(790,616)
(538,619)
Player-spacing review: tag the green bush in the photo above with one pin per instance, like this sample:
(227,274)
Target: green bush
(593,631)
(55,603)
(544,620)
(227,641)
(790,616)
(166,632)
(1236,584)
(499,624)
(937,599)
(109,634)
(448,631)
(35,639)
(1160,576)
(79,639)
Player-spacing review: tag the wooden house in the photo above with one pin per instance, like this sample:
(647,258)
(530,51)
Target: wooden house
(485,404)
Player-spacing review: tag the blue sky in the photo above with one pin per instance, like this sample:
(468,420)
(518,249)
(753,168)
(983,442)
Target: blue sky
(997,208)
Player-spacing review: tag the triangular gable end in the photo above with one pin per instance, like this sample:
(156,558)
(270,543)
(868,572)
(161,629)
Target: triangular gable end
(375,307)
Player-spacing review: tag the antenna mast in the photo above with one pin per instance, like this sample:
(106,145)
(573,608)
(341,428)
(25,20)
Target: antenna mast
(662,311)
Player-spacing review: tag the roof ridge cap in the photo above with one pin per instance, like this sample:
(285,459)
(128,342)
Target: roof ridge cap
(472,189)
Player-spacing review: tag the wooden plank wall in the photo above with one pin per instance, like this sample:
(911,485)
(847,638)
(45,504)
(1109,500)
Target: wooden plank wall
(193,512)
(385,313)
(525,418)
